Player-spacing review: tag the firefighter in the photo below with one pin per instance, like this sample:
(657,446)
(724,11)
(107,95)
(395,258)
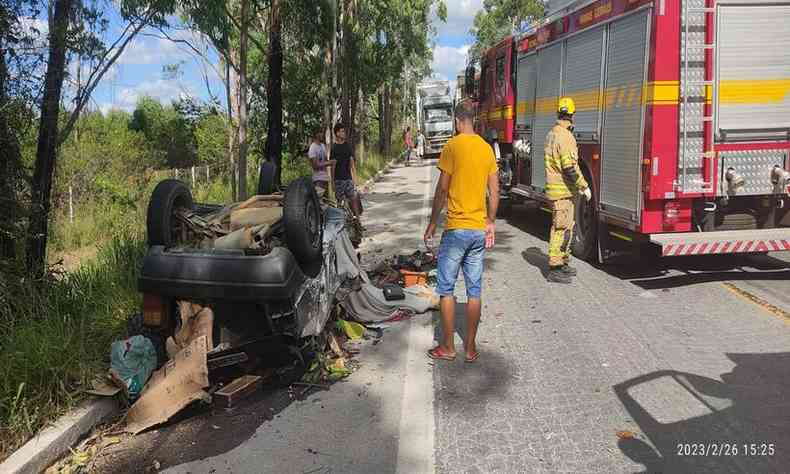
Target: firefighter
(563,180)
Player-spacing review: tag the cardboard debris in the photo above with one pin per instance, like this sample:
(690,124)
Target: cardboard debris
(103,387)
(177,384)
(196,321)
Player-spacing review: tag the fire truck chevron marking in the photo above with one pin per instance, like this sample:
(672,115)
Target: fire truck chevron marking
(722,247)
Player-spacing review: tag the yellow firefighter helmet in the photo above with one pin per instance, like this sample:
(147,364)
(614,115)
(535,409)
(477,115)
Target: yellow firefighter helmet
(566,106)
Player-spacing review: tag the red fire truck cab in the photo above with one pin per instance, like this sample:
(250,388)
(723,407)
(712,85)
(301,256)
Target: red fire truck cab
(683,119)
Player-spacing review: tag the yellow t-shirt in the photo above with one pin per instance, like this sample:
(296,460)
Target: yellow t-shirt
(469,161)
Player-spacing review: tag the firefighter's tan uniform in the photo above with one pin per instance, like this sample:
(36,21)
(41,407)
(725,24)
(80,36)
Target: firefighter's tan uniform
(563,179)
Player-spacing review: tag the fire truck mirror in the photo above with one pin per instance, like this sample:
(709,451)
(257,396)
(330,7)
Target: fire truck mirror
(469,80)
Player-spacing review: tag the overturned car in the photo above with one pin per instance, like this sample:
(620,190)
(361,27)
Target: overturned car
(268,267)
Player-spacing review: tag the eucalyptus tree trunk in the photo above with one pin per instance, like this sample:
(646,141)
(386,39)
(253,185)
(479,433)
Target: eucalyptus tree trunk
(274,137)
(46,151)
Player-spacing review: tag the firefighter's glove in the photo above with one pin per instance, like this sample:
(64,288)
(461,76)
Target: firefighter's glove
(587,194)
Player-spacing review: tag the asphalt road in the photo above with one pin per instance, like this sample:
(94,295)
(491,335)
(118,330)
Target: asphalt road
(680,367)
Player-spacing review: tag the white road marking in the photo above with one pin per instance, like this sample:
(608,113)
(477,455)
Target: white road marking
(416,431)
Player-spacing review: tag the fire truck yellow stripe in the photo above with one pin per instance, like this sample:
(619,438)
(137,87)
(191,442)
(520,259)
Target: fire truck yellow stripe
(769,91)
(661,92)
(499,113)
(656,93)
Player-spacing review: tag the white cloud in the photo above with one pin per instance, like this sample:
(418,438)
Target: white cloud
(448,61)
(148,49)
(460,16)
(161,89)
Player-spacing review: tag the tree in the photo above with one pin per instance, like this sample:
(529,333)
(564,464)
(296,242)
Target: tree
(500,18)
(48,137)
(74,29)
(274,137)
(168,131)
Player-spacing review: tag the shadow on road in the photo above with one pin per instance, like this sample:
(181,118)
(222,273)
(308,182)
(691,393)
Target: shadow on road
(537,258)
(487,378)
(698,424)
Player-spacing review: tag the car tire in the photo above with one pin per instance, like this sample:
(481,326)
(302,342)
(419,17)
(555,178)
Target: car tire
(505,208)
(168,196)
(266,179)
(304,232)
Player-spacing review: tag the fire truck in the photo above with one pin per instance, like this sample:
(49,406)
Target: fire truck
(682,120)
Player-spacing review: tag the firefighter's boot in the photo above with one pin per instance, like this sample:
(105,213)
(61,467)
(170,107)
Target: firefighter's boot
(568,270)
(557,275)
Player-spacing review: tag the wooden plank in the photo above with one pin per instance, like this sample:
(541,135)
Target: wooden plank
(231,394)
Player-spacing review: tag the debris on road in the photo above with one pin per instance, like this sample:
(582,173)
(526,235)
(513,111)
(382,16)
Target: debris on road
(103,387)
(351,329)
(131,363)
(196,321)
(229,395)
(625,434)
(178,383)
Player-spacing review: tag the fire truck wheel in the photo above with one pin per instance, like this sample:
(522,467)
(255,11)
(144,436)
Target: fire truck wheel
(505,208)
(585,235)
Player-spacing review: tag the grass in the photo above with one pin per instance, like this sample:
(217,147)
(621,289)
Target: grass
(53,341)
(372,164)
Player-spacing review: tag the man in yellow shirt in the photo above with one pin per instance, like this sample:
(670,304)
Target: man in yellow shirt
(468,169)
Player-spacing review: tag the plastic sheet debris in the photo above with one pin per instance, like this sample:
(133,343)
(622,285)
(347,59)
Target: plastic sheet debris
(351,329)
(131,363)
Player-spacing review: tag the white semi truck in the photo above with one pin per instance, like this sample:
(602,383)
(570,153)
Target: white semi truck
(434,114)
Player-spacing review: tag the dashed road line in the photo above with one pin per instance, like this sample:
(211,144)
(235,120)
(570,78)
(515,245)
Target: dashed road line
(775,310)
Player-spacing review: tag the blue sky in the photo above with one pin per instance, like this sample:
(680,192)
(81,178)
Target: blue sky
(453,39)
(139,72)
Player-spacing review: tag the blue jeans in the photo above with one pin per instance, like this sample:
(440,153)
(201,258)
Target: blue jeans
(461,249)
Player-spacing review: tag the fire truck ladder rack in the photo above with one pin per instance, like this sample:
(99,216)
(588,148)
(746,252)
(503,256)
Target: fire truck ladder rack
(693,96)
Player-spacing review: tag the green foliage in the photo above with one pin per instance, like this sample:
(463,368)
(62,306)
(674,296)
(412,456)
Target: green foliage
(211,139)
(53,341)
(500,18)
(168,133)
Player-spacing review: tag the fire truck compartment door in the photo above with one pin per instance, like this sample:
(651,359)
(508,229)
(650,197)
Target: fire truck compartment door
(752,77)
(525,90)
(583,62)
(621,147)
(548,91)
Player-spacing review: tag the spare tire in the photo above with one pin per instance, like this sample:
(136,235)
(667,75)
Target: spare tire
(304,231)
(168,196)
(266,178)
